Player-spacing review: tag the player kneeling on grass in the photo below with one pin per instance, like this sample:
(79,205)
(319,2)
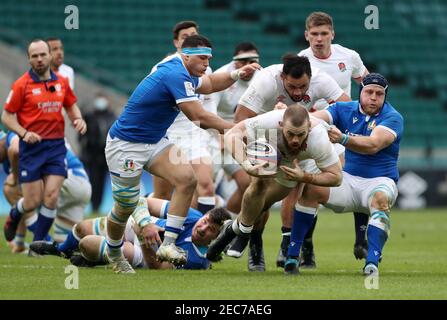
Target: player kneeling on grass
(371,130)
(141,237)
(297,137)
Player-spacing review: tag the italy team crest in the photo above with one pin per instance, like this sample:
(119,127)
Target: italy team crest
(129,165)
(342,67)
(372,125)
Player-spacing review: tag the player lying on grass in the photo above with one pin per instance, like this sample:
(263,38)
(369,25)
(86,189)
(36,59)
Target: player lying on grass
(297,137)
(141,237)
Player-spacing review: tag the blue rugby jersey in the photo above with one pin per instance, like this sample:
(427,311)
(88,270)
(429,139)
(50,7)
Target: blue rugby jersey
(196,255)
(152,107)
(350,119)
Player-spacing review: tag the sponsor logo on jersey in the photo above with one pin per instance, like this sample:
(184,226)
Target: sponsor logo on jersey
(189,88)
(342,67)
(36,91)
(355,119)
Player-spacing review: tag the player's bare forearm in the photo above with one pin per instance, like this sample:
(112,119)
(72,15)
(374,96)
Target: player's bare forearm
(379,139)
(222,80)
(243,113)
(75,116)
(209,120)
(328,179)
(74,112)
(234,142)
(322,114)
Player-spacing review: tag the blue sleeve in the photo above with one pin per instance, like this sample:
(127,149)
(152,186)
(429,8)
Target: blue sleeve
(333,111)
(182,87)
(394,122)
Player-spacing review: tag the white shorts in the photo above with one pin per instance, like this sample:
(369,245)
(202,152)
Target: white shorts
(75,195)
(128,159)
(194,143)
(354,193)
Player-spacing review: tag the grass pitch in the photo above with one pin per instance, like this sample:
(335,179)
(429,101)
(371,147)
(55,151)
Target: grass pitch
(414,267)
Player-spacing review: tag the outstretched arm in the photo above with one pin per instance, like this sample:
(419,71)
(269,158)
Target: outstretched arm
(219,81)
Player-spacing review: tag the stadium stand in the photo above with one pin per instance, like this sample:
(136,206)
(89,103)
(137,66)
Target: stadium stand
(118,41)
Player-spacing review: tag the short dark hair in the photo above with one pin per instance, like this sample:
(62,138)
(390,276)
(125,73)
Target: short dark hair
(38,40)
(184,25)
(245,46)
(196,41)
(53,39)
(219,215)
(297,115)
(318,18)
(296,66)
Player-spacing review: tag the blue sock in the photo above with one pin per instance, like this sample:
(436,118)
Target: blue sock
(44,222)
(376,240)
(301,224)
(32,227)
(361,224)
(205,204)
(15,214)
(69,244)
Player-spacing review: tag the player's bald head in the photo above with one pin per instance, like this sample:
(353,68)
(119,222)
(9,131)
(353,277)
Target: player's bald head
(39,45)
(296,115)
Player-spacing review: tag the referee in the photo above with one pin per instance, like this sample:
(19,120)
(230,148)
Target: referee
(33,110)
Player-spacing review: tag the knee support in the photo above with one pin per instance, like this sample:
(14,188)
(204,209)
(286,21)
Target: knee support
(126,192)
(380,216)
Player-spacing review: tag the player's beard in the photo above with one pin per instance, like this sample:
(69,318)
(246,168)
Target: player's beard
(283,144)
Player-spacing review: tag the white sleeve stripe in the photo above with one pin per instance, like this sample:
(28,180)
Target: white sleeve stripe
(388,129)
(331,121)
(186,100)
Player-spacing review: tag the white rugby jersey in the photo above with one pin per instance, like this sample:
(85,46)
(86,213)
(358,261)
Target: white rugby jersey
(67,72)
(319,148)
(267,88)
(342,65)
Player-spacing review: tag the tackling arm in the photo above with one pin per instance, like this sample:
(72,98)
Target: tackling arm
(379,139)
(219,81)
(196,113)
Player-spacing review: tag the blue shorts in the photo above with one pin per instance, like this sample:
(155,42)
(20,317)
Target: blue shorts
(42,159)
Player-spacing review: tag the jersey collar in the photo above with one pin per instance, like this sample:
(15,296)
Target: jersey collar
(366,115)
(35,77)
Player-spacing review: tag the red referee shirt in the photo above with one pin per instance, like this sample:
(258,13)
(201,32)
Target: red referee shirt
(38,104)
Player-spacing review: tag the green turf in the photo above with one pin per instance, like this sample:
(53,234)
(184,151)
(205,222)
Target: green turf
(414,267)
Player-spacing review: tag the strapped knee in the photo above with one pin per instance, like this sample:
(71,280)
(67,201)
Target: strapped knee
(126,192)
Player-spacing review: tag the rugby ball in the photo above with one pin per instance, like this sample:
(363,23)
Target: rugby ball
(261,151)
